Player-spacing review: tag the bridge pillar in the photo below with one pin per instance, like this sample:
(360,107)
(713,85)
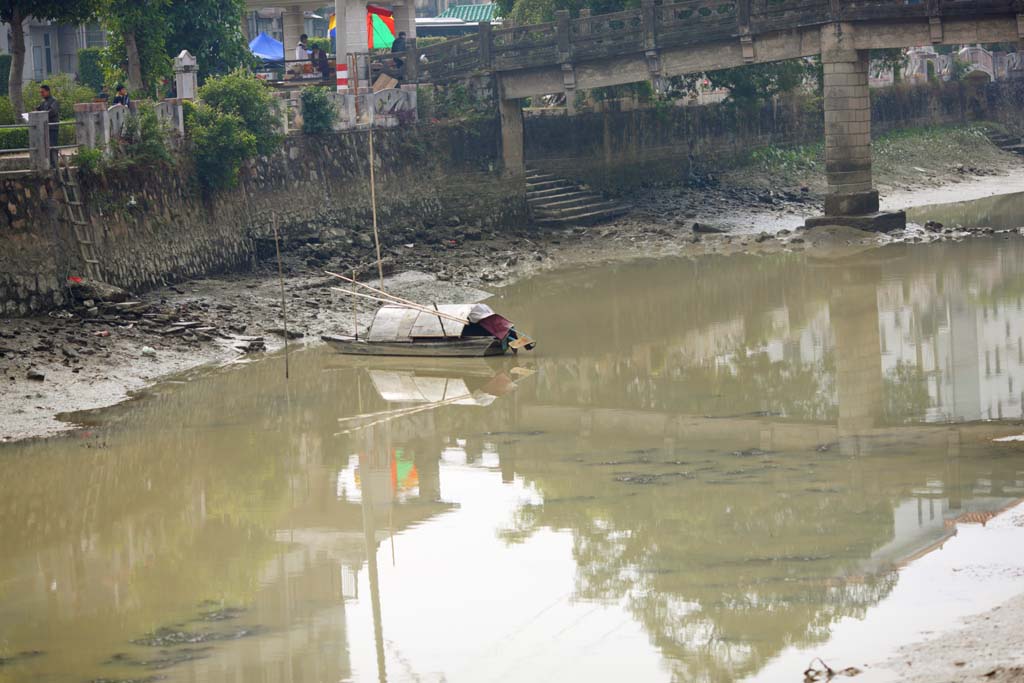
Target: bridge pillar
(512,155)
(851,199)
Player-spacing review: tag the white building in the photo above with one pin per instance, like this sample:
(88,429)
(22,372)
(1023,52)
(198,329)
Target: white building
(52,48)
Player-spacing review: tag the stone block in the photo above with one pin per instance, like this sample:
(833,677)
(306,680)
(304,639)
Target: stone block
(847,165)
(878,221)
(851,204)
(857,178)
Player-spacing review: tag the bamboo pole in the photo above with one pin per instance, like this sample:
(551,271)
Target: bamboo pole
(355,314)
(396,299)
(416,307)
(280,276)
(373,203)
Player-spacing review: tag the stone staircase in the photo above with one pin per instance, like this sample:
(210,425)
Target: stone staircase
(555,202)
(1007,143)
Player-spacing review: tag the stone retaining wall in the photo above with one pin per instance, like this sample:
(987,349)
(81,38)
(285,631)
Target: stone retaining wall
(154,225)
(618,151)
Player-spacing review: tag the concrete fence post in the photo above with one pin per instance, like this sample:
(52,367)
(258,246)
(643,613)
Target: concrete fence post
(562,36)
(85,123)
(186,74)
(486,45)
(650,24)
(412,62)
(39,140)
(103,129)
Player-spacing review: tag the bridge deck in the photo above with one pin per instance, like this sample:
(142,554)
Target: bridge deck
(686,36)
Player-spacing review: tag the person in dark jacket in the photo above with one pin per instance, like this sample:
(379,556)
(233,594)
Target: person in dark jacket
(321,63)
(52,108)
(122,96)
(399,47)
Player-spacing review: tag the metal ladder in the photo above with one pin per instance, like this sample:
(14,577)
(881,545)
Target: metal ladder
(76,217)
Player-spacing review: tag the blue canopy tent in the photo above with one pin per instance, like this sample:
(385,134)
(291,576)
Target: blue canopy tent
(267,49)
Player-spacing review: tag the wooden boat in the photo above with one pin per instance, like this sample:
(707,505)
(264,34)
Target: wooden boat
(403,331)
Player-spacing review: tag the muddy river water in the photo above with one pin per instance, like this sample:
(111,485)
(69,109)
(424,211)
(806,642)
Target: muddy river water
(708,470)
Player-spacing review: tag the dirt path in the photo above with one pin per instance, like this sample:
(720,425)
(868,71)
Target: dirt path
(99,352)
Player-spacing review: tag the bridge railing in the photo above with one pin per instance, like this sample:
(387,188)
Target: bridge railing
(521,47)
(664,24)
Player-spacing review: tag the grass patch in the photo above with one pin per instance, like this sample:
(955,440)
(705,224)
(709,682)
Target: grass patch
(788,163)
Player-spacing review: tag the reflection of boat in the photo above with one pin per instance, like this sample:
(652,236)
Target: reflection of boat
(417,391)
(452,331)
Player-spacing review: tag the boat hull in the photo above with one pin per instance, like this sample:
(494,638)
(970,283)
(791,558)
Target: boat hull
(475,347)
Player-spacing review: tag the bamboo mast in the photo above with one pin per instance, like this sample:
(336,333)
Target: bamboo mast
(373,203)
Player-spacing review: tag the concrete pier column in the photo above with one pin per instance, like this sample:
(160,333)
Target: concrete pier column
(847,125)
(512,155)
(293,22)
(851,199)
(405,17)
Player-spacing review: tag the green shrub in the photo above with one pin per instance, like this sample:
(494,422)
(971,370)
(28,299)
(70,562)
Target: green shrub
(89,161)
(90,68)
(318,112)
(246,97)
(7,116)
(221,142)
(144,138)
(322,43)
(429,40)
(64,88)
(13,138)
(5,74)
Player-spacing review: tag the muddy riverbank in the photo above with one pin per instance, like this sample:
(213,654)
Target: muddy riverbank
(97,353)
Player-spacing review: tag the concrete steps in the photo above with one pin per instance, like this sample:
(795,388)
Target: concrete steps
(558,202)
(1007,143)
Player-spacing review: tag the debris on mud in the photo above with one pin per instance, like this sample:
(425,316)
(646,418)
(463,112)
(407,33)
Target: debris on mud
(167,636)
(818,670)
(223,614)
(20,656)
(165,659)
(751,453)
(646,479)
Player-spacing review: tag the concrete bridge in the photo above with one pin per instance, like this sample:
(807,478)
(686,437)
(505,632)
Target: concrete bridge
(679,37)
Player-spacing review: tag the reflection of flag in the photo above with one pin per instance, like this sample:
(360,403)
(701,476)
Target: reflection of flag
(403,472)
(331,25)
(380,27)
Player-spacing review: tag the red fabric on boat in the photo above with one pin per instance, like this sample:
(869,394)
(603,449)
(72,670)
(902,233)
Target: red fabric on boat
(496,325)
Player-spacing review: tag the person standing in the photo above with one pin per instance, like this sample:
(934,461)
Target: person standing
(398,47)
(52,108)
(301,51)
(321,63)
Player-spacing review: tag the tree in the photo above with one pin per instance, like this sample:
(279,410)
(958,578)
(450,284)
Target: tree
(138,36)
(137,33)
(753,84)
(147,34)
(537,11)
(212,31)
(15,12)
(888,59)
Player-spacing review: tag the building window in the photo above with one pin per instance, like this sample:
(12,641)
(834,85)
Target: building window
(95,36)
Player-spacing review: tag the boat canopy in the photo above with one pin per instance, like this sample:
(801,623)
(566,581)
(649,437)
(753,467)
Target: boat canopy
(397,324)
